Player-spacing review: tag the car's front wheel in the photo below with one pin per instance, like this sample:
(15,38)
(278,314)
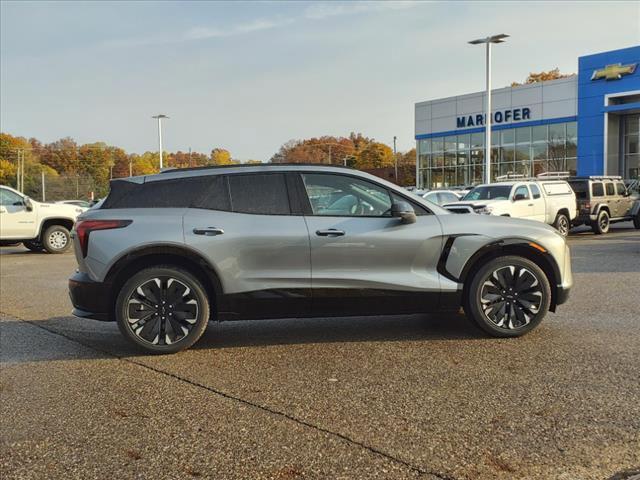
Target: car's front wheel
(56,239)
(636,221)
(162,309)
(508,296)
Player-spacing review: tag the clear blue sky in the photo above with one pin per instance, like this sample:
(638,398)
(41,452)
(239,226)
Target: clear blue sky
(250,76)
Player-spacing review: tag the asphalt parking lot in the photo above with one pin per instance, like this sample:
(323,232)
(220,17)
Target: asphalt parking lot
(395,397)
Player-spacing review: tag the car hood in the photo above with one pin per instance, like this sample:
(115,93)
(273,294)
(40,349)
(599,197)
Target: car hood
(495,226)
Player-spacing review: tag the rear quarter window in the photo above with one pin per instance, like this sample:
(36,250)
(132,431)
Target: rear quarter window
(620,188)
(598,189)
(191,192)
(556,188)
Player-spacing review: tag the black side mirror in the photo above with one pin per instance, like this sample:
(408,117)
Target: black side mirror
(28,204)
(404,211)
(519,196)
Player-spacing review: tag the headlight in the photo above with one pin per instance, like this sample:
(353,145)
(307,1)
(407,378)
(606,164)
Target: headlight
(484,210)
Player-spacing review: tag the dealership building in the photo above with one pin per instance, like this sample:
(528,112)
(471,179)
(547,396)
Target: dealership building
(586,124)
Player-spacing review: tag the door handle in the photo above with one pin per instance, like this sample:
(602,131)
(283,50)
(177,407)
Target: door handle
(209,231)
(332,232)
(531,204)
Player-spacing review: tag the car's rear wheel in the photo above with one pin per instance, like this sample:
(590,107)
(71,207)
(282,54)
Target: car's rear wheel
(162,309)
(56,239)
(636,221)
(508,296)
(601,225)
(562,224)
(33,245)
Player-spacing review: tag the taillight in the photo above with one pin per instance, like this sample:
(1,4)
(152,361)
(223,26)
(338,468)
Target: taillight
(85,227)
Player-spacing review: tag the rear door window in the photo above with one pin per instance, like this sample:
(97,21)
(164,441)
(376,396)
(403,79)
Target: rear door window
(610,190)
(535,191)
(259,193)
(620,188)
(597,189)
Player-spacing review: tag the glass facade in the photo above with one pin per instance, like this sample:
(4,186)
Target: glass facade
(631,142)
(459,159)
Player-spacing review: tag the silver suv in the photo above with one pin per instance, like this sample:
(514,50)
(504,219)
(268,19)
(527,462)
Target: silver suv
(164,254)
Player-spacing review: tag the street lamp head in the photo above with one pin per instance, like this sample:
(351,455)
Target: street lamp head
(491,39)
(160,116)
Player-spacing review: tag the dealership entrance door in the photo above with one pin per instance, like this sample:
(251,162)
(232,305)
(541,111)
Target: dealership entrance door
(630,146)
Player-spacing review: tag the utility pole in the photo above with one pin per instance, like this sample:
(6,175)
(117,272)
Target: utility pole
(190,157)
(77,185)
(18,170)
(111,172)
(130,169)
(487,143)
(329,154)
(160,117)
(44,197)
(395,158)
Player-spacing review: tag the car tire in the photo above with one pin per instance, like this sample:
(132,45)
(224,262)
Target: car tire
(502,312)
(636,221)
(562,224)
(56,239)
(602,224)
(33,245)
(143,318)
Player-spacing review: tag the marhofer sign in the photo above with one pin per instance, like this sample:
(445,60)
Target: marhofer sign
(501,116)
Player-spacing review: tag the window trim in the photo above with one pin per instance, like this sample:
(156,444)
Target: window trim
(420,210)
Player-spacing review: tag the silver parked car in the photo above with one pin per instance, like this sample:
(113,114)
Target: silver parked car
(164,254)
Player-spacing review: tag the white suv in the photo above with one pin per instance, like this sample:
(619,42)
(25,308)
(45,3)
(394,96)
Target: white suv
(549,201)
(37,225)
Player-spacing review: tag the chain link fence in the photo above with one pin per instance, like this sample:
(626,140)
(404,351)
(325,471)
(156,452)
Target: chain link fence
(50,187)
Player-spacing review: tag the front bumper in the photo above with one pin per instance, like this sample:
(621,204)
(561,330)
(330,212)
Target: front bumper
(562,295)
(90,299)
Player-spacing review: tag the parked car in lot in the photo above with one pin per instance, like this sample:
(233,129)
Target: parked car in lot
(549,201)
(603,201)
(163,254)
(441,197)
(36,225)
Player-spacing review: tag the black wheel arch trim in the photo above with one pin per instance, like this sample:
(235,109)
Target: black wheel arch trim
(498,248)
(185,252)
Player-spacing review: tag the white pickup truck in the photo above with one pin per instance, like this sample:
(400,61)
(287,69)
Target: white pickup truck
(549,201)
(37,225)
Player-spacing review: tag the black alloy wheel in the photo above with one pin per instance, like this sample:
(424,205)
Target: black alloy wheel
(508,296)
(163,310)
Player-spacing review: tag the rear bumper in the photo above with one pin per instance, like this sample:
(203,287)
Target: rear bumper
(90,299)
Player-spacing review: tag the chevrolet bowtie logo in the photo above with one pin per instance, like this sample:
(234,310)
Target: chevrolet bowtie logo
(614,72)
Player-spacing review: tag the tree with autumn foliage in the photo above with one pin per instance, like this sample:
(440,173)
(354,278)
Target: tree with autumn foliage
(543,77)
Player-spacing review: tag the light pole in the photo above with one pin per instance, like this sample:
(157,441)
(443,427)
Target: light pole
(160,117)
(487,142)
(395,158)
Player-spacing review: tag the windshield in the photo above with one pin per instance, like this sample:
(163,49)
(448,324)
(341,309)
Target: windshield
(489,192)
